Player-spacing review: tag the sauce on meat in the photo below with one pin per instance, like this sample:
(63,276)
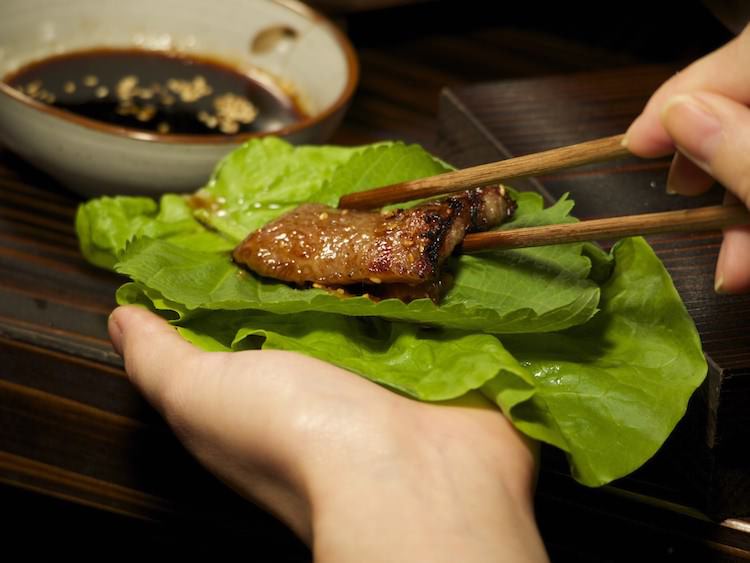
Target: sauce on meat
(396,253)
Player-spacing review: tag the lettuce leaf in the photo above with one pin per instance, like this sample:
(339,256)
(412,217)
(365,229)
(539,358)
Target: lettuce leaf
(610,391)
(426,363)
(488,294)
(161,246)
(607,392)
(591,352)
(105,226)
(262,180)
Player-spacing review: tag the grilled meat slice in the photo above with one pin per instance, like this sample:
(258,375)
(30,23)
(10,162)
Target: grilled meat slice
(432,289)
(319,244)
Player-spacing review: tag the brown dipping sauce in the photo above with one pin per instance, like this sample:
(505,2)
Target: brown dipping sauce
(157,91)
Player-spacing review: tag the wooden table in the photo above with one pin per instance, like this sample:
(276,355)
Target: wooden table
(703,469)
(84,462)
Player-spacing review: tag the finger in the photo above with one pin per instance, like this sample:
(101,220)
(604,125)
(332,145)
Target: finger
(713,132)
(203,397)
(215,411)
(152,349)
(725,71)
(733,265)
(687,178)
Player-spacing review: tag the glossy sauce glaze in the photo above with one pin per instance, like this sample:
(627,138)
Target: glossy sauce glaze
(317,244)
(157,91)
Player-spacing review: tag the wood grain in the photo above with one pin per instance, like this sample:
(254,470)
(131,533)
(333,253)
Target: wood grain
(704,463)
(73,428)
(535,164)
(680,221)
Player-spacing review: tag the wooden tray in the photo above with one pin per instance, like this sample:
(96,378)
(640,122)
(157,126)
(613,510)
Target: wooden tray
(705,462)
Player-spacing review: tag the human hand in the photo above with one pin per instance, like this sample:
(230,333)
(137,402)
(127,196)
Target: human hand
(703,113)
(358,472)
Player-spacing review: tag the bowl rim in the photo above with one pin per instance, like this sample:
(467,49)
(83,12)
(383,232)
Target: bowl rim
(352,65)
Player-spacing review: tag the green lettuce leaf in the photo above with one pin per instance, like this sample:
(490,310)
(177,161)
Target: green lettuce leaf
(106,225)
(426,363)
(589,351)
(488,294)
(609,392)
(263,179)
(529,290)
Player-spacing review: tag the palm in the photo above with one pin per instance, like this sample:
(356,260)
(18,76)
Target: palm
(287,430)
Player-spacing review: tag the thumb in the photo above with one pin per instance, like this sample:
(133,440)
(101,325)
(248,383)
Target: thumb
(713,132)
(152,349)
(223,419)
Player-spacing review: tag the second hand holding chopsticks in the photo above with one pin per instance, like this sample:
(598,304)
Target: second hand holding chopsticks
(598,150)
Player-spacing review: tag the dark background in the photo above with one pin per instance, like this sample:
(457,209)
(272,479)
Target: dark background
(408,52)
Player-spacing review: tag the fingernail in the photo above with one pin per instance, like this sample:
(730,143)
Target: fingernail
(670,187)
(115,334)
(719,284)
(694,126)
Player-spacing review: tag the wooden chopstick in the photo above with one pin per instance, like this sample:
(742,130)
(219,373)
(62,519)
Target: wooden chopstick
(485,174)
(698,219)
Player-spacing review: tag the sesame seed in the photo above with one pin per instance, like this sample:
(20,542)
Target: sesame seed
(207,119)
(125,108)
(90,80)
(168,99)
(126,86)
(146,113)
(44,96)
(228,127)
(144,93)
(33,87)
(190,91)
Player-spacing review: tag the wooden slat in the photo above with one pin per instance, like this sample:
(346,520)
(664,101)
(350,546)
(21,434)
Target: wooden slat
(69,485)
(525,116)
(71,426)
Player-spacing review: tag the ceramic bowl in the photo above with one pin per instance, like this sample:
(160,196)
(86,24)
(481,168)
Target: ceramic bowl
(287,41)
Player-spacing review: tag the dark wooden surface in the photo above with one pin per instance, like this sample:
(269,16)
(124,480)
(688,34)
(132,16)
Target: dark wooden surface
(85,463)
(705,464)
